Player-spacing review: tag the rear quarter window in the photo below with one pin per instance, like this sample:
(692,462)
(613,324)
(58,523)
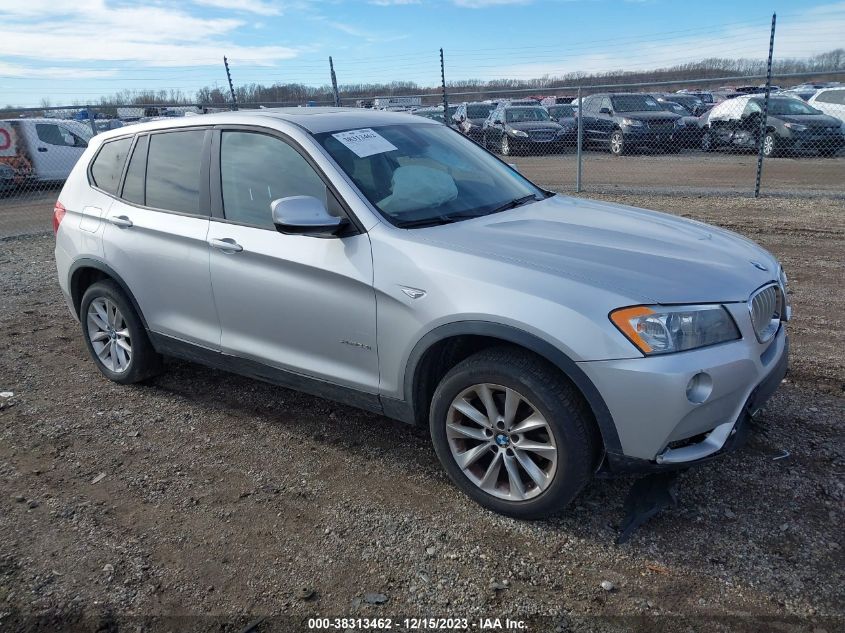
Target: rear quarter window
(108,165)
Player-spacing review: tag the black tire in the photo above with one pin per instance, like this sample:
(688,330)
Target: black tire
(617,143)
(707,144)
(143,362)
(575,436)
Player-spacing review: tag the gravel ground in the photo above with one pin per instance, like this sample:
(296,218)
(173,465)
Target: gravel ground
(202,501)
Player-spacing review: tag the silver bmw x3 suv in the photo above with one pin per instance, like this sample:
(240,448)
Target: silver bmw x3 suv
(384,261)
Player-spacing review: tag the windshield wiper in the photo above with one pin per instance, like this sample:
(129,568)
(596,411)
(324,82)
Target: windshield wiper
(513,204)
(438,220)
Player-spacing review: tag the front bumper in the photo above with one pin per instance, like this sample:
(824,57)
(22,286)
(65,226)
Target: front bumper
(659,427)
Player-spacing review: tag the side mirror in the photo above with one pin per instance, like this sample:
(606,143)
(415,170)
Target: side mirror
(605,111)
(305,215)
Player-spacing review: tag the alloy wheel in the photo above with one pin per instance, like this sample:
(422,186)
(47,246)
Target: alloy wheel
(616,142)
(501,442)
(506,147)
(109,335)
(768,145)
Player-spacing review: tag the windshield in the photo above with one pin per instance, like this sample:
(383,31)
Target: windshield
(779,107)
(418,173)
(479,111)
(519,115)
(560,111)
(634,103)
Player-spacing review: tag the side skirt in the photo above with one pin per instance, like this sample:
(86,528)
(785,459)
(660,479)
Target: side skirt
(169,346)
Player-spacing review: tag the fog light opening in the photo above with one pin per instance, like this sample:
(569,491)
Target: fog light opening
(699,387)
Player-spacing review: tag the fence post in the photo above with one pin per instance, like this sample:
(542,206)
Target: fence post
(231,86)
(91,120)
(764,119)
(334,83)
(443,87)
(579,146)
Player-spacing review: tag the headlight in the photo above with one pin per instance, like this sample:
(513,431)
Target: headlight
(631,122)
(518,133)
(796,127)
(666,329)
(680,123)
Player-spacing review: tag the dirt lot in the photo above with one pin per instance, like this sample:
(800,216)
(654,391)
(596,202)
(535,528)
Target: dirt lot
(213,500)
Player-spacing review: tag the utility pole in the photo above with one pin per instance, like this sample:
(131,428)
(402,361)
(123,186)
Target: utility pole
(761,134)
(334,83)
(443,87)
(231,87)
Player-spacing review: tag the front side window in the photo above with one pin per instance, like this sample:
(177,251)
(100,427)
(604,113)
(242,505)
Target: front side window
(635,103)
(256,169)
(108,166)
(173,171)
(520,115)
(832,96)
(418,174)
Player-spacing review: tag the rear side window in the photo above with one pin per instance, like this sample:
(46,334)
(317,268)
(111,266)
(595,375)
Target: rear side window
(174,163)
(108,166)
(53,134)
(133,184)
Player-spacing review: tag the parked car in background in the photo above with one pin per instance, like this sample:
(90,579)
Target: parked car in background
(541,340)
(470,117)
(687,130)
(625,121)
(522,129)
(40,150)
(705,95)
(791,126)
(807,90)
(693,104)
(435,113)
(831,101)
(566,117)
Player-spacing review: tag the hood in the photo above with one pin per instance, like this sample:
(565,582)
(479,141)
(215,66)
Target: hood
(649,115)
(526,126)
(649,257)
(810,120)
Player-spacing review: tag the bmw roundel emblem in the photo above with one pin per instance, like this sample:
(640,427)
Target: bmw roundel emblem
(502,440)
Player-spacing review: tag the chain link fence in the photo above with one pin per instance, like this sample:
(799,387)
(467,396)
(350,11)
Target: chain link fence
(694,137)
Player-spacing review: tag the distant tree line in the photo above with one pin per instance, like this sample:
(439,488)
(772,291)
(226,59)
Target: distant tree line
(822,67)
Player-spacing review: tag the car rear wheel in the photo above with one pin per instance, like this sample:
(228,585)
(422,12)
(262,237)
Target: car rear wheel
(512,434)
(114,335)
(617,143)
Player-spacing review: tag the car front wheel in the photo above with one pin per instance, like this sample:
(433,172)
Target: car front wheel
(512,434)
(707,142)
(505,146)
(769,145)
(617,143)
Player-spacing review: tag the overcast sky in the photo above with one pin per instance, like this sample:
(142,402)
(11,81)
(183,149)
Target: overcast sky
(68,50)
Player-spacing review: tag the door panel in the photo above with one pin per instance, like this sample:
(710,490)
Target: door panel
(300,303)
(164,260)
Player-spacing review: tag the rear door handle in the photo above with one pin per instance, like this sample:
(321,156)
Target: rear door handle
(121,220)
(42,149)
(226,244)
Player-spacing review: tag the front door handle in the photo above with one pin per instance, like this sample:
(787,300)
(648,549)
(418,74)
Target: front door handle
(42,149)
(226,244)
(121,220)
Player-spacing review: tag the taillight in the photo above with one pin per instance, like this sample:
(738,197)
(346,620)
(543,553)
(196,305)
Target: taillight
(58,215)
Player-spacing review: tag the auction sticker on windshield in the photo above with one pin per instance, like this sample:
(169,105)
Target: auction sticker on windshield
(365,142)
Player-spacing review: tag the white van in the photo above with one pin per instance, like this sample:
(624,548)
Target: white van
(39,149)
